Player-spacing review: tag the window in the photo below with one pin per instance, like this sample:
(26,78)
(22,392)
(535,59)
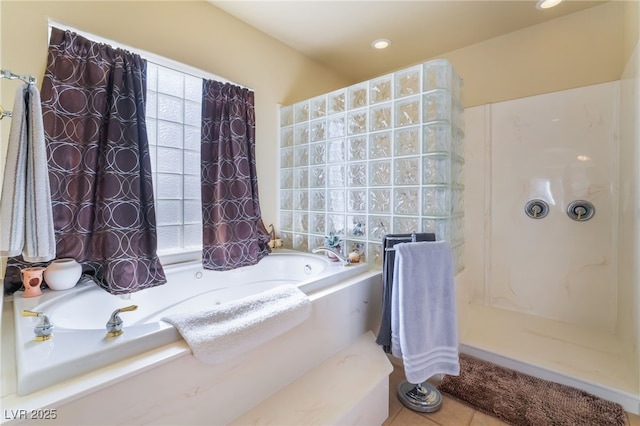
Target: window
(174,99)
(174,110)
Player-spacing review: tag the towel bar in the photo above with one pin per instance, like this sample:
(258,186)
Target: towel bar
(11,76)
(4,113)
(408,238)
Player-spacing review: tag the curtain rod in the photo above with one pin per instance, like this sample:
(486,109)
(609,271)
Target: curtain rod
(149,56)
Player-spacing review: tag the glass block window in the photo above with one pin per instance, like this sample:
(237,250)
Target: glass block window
(174,110)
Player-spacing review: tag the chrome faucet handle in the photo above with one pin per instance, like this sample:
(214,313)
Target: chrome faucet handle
(43,329)
(114,325)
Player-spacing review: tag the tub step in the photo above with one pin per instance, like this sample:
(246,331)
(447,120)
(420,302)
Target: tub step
(351,387)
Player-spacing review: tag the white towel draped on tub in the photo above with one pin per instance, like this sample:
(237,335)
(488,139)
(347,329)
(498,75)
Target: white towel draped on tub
(423,310)
(25,210)
(225,331)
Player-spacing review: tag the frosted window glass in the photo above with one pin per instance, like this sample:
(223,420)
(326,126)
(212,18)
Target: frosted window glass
(191,162)
(152,132)
(169,160)
(192,113)
(192,137)
(193,88)
(193,236)
(170,108)
(173,110)
(152,157)
(192,187)
(169,237)
(169,134)
(170,82)
(152,76)
(169,186)
(152,104)
(192,211)
(169,212)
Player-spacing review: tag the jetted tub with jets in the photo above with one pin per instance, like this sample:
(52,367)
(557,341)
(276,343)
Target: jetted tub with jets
(80,344)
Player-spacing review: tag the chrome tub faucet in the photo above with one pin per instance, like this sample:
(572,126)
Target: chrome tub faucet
(343,259)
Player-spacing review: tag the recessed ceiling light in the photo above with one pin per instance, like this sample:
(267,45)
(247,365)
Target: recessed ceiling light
(381,43)
(546,4)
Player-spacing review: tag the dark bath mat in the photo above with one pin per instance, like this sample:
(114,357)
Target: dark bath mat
(520,399)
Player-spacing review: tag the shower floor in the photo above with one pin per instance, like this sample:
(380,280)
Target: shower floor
(584,356)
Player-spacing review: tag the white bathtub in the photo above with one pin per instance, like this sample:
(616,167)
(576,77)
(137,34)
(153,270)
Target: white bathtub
(79,344)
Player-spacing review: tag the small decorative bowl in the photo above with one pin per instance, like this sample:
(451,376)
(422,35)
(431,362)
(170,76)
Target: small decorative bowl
(62,274)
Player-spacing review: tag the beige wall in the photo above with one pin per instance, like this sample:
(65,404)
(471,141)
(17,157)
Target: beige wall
(572,51)
(192,32)
(629,190)
(631,29)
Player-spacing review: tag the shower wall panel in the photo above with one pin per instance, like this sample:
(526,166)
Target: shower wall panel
(558,147)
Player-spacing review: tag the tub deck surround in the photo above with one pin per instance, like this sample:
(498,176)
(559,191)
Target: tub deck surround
(80,314)
(167,385)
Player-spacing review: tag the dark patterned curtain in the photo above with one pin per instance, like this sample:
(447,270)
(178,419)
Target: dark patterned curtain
(233,232)
(93,104)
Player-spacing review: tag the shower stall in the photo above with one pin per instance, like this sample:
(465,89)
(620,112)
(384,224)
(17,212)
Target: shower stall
(555,293)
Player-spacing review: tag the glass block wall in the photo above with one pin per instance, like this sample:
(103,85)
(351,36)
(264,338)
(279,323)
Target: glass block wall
(383,156)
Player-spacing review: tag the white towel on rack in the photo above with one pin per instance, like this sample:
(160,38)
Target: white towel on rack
(228,330)
(423,310)
(25,209)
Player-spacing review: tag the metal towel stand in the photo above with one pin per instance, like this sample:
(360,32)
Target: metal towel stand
(421,397)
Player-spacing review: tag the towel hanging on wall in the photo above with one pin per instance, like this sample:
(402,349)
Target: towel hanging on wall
(26,224)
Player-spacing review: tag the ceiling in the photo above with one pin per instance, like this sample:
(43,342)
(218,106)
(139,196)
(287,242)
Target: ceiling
(338,34)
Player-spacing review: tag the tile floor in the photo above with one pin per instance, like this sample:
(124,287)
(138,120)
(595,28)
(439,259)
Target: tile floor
(451,413)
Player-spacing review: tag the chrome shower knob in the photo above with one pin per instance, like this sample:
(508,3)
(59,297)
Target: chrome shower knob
(536,209)
(580,210)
